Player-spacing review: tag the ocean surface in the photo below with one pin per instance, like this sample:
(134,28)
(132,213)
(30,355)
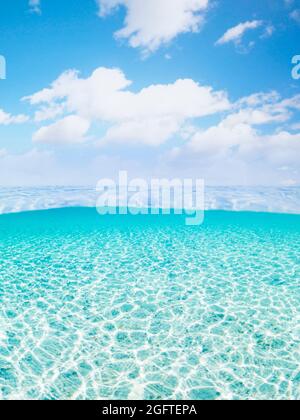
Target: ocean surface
(145,307)
(260,199)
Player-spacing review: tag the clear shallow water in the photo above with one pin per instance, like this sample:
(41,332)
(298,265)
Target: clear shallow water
(124,307)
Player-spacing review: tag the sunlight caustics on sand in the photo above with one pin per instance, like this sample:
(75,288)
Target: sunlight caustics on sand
(119,307)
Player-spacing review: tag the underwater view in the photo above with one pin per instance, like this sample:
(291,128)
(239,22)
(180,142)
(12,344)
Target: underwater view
(144,307)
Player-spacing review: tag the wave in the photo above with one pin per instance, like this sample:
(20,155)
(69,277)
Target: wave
(257,199)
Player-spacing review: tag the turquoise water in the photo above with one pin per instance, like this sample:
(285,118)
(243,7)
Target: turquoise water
(121,307)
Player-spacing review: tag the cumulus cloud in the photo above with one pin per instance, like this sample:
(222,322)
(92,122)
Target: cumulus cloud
(263,108)
(155,131)
(150,116)
(246,137)
(239,155)
(236,33)
(49,112)
(149,24)
(246,143)
(239,132)
(69,130)
(257,117)
(8,119)
(152,23)
(237,150)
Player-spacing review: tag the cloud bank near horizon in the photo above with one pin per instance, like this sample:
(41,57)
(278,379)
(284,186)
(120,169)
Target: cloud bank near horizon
(250,136)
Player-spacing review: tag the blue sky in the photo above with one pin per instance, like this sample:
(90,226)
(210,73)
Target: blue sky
(189,88)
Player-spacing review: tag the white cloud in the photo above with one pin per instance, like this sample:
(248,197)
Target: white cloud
(239,131)
(105,96)
(38,167)
(29,168)
(35,6)
(259,99)
(263,108)
(69,130)
(58,90)
(239,155)
(236,33)
(296,127)
(289,183)
(152,23)
(256,117)
(8,119)
(151,132)
(3,152)
(295,15)
(239,150)
(246,138)
(217,140)
(49,112)
(268,32)
(246,143)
